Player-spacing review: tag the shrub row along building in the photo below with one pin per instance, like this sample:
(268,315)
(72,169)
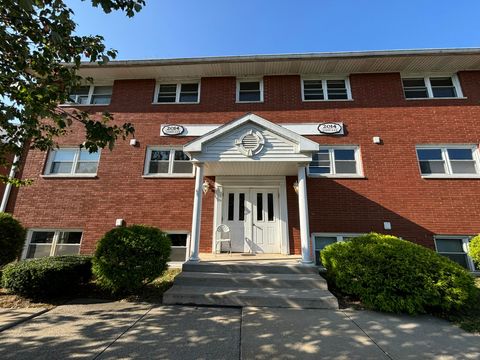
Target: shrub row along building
(291,152)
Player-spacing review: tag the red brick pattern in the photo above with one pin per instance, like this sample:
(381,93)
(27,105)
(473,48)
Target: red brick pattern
(392,189)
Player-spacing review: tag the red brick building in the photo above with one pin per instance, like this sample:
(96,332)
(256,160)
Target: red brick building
(292,152)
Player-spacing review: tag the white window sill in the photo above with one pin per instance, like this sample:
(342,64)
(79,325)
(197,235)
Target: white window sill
(166,176)
(337,176)
(438,98)
(467,176)
(327,100)
(82,105)
(249,102)
(69,176)
(175,103)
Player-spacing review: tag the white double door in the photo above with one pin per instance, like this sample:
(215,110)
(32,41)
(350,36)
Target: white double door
(252,216)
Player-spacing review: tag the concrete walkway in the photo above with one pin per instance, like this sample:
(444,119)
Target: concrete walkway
(122,330)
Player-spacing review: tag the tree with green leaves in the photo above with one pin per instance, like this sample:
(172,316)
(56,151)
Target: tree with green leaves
(40,56)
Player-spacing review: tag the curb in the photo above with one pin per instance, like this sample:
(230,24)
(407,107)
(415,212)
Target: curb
(18,322)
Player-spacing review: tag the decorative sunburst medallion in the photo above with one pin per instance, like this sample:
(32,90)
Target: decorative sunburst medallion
(251,143)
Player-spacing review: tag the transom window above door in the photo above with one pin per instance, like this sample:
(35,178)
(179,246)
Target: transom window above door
(337,161)
(167,162)
(431,87)
(249,90)
(72,162)
(449,161)
(319,89)
(176,93)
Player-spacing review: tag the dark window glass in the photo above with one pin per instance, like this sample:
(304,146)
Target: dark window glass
(167,93)
(249,91)
(270,206)
(320,163)
(159,161)
(70,237)
(189,93)
(347,154)
(312,90)
(460,154)
(320,243)
(429,154)
(443,87)
(241,207)
(415,88)
(259,206)
(101,95)
(337,90)
(179,247)
(178,239)
(231,206)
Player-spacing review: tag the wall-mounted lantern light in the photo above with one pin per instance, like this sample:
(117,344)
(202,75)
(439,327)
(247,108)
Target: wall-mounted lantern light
(205,187)
(295,186)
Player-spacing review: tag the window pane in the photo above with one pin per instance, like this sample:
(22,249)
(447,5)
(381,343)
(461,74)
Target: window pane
(102,90)
(73,237)
(189,87)
(37,251)
(231,206)
(182,167)
(429,154)
(444,92)
(319,170)
(463,167)
(180,155)
(322,155)
(312,90)
(344,154)
(101,99)
(336,89)
(320,243)
(250,85)
(259,206)
(460,154)
(167,93)
(270,206)
(189,93)
(458,258)
(249,96)
(420,82)
(42,237)
(67,250)
(241,207)
(61,168)
(81,90)
(158,167)
(85,155)
(345,167)
(441,81)
(86,168)
(158,155)
(432,167)
(416,94)
(178,240)
(64,155)
(415,88)
(188,97)
(449,245)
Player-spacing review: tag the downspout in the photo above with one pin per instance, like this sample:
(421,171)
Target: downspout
(8,186)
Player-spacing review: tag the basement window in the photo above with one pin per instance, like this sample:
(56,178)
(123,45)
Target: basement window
(456,249)
(179,246)
(451,161)
(322,240)
(167,162)
(431,87)
(72,162)
(42,243)
(178,93)
(249,91)
(319,89)
(91,95)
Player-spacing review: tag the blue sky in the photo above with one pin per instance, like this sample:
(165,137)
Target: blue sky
(191,28)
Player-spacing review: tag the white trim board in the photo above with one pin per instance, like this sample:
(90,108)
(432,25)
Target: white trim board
(299,128)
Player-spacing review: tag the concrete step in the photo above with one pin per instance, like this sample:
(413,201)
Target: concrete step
(245,280)
(227,296)
(248,268)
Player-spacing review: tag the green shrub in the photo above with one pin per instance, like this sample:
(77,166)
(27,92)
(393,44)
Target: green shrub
(474,250)
(47,277)
(127,258)
(393,275)
(12,238)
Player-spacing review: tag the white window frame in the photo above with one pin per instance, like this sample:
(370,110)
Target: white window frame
(170,173)
(426,79)
(465,244)
(187,245)
(446,159)
(358,162)
(54,243)
(177,91)
(237,92)
(324,79)
(51,156)
(340,238)
(90,94)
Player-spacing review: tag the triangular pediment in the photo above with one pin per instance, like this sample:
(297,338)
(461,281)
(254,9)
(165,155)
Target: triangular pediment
(251,137)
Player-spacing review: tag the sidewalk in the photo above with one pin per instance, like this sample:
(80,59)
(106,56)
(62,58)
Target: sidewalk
(122,330)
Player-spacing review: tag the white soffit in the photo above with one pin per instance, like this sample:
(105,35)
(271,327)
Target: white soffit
(404,61)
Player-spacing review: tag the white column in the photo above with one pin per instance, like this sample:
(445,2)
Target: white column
(197,214)
(303,212)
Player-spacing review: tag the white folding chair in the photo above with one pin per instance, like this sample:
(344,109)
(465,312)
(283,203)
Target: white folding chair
(222,235)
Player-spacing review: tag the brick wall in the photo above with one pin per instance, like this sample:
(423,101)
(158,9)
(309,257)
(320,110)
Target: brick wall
(391,191)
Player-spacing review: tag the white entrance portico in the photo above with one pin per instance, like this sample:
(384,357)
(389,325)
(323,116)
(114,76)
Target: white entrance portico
(250,158)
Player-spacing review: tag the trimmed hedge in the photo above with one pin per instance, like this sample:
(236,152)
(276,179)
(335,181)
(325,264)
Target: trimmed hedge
(474,250)
(394,275)
(127,258)
(12,238)
(47,277)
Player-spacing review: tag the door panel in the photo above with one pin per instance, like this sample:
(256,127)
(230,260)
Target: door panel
(234,209)
(266,237)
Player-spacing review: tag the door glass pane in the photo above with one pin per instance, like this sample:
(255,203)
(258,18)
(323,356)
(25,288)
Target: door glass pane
(241,207)
(270,206)
(231,206)
(259,206)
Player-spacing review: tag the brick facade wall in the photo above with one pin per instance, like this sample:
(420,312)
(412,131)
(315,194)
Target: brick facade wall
(392,189)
